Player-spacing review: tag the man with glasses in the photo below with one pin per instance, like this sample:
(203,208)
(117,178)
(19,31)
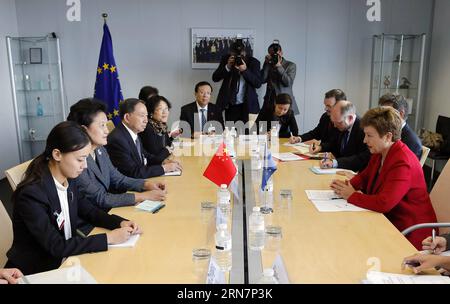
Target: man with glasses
(325,130)
(409,137)
(348,148)
(201,115)
(125,148)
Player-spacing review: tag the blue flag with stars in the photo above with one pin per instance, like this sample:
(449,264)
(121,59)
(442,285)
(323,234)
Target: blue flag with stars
(107,85)
(269,167)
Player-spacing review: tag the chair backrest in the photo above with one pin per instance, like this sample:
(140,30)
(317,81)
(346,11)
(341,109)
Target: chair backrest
(440,197)
(15,174)
(110,125)
(6,235)
(425,152)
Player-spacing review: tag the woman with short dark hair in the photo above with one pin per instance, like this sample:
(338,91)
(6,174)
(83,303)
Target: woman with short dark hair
(281,113)
(393,181)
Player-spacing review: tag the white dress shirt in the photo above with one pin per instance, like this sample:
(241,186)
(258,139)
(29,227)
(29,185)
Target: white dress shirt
(64,203)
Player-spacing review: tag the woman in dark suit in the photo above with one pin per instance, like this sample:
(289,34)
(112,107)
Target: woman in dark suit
(393,181)
(280,112)
(48,206)
(156,138)
(101,182)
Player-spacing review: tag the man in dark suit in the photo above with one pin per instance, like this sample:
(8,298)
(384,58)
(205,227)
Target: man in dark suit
(325,130)
(201,115)
(124,146)
(240,73)
(348,147)
(409,137)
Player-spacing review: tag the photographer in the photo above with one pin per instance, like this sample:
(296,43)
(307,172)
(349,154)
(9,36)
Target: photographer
(240,75)
(279,74)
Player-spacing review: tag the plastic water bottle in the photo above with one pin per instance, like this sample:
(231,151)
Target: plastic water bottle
(256,230)
(39,108)
(224,199)
(268,277)
(223,248)
(233,132)
(274,134)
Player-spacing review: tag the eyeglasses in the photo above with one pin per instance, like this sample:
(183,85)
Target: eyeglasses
(162,110)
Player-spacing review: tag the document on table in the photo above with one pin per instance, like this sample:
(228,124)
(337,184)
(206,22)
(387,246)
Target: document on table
(376,277)
(337,205)
(302,149)
(297,145)
(174,173)
(319,171)
(328,201)
(130,243)
(68,275)
(286,157)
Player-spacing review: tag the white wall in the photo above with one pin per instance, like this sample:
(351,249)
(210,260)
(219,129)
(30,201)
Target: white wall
(9,152)
(329,40)
(439,75)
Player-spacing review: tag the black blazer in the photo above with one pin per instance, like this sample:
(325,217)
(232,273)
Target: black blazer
(38,243)
(125,157)
(287,122)
(230,79)
(325,130)
(155,143)
(410,138)
(356,155)
(189,114)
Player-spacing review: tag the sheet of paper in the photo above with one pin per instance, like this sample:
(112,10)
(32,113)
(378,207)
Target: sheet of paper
(130,243)
(339,205)
(68,275)
(318,170)
(174,173)
(148,205)
(297,145)
(321,195)
(376,277)
(285,157)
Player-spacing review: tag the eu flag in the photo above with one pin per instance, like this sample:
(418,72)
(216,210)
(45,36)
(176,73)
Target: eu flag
(107,85)
(269,168)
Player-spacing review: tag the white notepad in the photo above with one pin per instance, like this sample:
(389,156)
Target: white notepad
(130,243)
(376,277)
(68,275)
(286,157)
(321,194)
(318,170)
(174,173)
(148,205)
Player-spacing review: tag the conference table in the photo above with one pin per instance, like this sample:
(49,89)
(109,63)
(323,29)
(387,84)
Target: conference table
(315,247)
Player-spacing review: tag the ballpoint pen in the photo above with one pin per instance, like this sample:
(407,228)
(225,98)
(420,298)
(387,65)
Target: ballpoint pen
(433,237)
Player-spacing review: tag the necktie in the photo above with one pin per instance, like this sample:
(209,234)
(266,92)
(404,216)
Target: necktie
(138,147)
(203,118)
(344,142)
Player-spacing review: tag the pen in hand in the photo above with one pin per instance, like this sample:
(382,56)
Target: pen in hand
(433,237)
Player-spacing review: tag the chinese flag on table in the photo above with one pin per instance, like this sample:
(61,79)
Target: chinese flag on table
(221,169)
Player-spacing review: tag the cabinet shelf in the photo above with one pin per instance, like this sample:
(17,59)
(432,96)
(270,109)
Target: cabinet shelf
(37,140)
(36,64)
(37,116)
(36,90)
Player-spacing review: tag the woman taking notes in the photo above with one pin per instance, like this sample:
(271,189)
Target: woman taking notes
(281,113)
(393,182)
(48,207)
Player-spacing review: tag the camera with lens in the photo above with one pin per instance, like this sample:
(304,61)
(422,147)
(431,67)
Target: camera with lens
(275,56)
(238,60)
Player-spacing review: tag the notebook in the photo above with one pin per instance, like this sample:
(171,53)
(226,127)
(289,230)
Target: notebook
(149,206)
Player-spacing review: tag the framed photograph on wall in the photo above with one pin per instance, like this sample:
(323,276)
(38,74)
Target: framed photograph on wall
(36,55)
(208,45)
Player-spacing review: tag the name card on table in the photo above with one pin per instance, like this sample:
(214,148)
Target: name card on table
(279,270)
(215,275)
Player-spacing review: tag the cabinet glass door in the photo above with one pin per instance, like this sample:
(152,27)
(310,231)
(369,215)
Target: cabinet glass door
(36,79)
(397,67)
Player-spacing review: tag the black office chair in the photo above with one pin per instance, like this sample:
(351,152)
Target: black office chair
(443,128)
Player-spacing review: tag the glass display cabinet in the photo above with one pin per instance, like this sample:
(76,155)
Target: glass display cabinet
(398,67)
(37,89)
